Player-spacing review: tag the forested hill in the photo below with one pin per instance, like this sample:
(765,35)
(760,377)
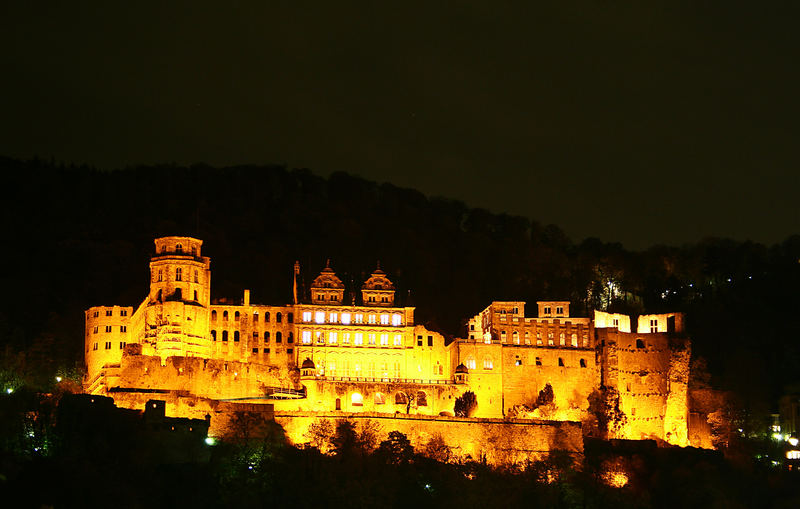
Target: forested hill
(78,237)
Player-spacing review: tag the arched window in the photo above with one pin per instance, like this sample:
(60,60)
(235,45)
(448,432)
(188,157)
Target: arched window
(527,338)
(213,335)
(178,248)
(225,316)
(488,363)
(278,317)
(266,317)
(236,335)
(639,343)
(214,315)
(400,399)
(255,316)
(515,337)
(380,398)
(574,339)
(561,339)
(583,363)
(266,336)
(224,335)
(290,317)
(356,399)
(561,362)
(236,316)
(290,338)
(179,274)
(422,399)
(469,362)
(278,337)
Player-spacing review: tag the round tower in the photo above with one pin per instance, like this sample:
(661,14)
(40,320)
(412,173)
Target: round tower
(176,322)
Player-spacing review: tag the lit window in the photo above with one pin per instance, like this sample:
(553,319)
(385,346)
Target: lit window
(561,339)
(331,368)
(550,339)
(487,338)
(470,362)
(515,337)
(398,340)
(502,336)
(333,317)
(359,339)
(332,338)
(574,339)
(371,318)
(793,455)
(380,398)
(319,317)
(397,320)
(346,318)
(320,337)
(527,338)
(357,369)
(488,363)
(384,319)
(538,338)
(384,339)
(346,338)
(356,399)
(196,277)
(306,316)
(306,337)
(179,274)
(359,318)
(371,339)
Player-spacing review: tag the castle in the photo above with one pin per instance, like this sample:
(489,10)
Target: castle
(367,358)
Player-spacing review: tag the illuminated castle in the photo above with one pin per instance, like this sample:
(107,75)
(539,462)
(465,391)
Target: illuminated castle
(327,356)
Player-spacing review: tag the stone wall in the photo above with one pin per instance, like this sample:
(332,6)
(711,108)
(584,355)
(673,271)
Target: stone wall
(496,440)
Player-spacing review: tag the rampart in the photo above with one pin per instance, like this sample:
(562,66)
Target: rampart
(497,441)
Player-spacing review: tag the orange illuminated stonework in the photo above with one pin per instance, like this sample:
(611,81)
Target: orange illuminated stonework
(335,354)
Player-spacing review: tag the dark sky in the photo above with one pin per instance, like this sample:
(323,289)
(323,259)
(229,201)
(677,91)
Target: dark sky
(657,123)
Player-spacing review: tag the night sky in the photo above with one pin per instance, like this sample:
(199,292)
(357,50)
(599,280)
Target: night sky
(658,123)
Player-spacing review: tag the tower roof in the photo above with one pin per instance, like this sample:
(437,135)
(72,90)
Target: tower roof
(308,364)
(327,278)
(378,281)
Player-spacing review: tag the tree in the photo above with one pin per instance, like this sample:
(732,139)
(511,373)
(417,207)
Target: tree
(466,404)
(396,449)
(437,449)
(320,435)
(604,406)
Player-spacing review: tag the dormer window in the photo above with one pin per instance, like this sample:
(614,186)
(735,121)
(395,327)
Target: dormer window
(178,248)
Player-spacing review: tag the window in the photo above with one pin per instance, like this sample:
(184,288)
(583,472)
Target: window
(255,350)
(472,326)
(515,337)
(96,314)
(547,310)
(305,337)
(517,361)
(561,339)
(470,362)
(195,296)
(289,350)
(214,315)
(346,338)
(398,340)
(332,338)
(561,362)
(160,275)
(123,328)
(359,339)
(527,338)
(266,317)
(331,368)
(559,310)
(278,337)
(213,335)
(639,343)
(236,335)
(333,318)
(633,411)
(574,339)
(108,328)
(346,318)
(615,322)
(654,325)
(359,318)
(419,340)
(502,336)
(400,399)
(266,350)
(94,331)
(255,317)
(178,248)
(255,335)
(430,340)
(320,337)
(290,317)
(319,317)
(224,335)
(278,317)
(94,347)
(371,318)
(583,363)
(488,363)
(109,312)
(320,296)
(108,345)
(538,361)
(225,316)
(306,316)
(380,398)
(422,399)
(266,336)
(179,274)
(384,319)
(236,316)
(550,339)
(384,339)
(585,339)
(122,344)
(371,337)
(123,312)
(196,277)
(397,320)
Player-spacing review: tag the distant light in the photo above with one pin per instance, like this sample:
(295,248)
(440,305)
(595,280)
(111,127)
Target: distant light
(691,285)
(9,390)
(428,487)
(777,436)
(211,441)
(58,379)
(793,455)
(30,434)
(729,280)
(794,441)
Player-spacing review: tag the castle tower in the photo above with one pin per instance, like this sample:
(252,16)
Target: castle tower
(176,319)
(378,290)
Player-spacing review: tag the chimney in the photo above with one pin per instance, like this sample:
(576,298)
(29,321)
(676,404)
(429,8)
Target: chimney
(246,297)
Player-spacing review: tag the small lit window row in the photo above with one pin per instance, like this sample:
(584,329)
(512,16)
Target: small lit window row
(110,312)
(320,317)
(358,338)
(110,328)
(266,317)
(551,341)
(278,336)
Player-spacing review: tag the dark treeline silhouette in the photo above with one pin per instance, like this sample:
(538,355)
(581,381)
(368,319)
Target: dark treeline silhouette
(78,237)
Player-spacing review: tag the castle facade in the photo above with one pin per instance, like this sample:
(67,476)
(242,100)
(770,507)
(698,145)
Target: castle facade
(367,356)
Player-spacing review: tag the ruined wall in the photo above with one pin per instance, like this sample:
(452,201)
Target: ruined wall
(209,378)
(107,331)
(499,441)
